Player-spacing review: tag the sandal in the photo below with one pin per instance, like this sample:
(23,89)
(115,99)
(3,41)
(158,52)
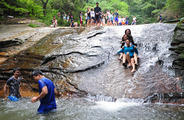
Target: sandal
(124,64)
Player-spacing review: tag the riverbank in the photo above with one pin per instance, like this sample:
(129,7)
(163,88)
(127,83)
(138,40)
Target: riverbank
(18,37)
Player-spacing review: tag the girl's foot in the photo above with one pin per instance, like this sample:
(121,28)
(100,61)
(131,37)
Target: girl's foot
(129,65)
(133,71)
(136,64)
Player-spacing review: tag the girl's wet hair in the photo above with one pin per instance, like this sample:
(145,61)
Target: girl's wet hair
(127,30)
(128,37)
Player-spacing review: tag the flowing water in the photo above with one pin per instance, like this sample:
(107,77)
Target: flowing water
(88,62)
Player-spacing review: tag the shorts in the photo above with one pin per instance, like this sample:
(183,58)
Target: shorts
(13,98)
(120,23)
(123,23)
(97,18)
(126,22)
(81,22)
(86,21)
(133,23)
(88,18)
(131,57)
(93,18)
(116,19)
(112,21)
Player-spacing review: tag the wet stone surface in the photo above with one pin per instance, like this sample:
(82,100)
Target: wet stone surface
(84,62)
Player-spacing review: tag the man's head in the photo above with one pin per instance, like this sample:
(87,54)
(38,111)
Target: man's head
(97,4)
(54,17)
(16,72)
(37,75)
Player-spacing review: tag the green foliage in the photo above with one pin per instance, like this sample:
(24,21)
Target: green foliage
(175,7)
(146,11)
(33,25)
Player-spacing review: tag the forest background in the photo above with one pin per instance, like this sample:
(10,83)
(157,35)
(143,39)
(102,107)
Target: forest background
(146,11)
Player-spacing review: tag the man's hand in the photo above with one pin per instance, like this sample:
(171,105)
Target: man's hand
(34,99)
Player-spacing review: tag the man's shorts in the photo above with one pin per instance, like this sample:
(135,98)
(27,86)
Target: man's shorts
(126,22)
(13,98)
(116,19)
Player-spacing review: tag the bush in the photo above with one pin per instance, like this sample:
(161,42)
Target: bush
(33,25)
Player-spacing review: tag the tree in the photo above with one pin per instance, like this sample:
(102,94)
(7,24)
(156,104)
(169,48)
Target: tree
(44,6)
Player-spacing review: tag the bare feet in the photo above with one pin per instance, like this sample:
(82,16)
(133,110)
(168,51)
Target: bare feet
(133,71)
(129,65)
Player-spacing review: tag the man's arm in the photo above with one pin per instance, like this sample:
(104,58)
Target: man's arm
(42,94)
(56,92)
(5,91)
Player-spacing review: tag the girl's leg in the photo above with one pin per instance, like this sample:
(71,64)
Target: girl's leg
(128,59)
(121,56)
(135,58)
(133,65)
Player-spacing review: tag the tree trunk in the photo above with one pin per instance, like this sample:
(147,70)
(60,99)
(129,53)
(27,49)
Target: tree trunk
(44,6)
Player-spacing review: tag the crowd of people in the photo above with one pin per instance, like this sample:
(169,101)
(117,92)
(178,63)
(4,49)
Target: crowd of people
(95,17)
(128,53)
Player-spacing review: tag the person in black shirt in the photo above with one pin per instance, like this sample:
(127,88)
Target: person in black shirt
(116,17)
(13,83)
(97,11)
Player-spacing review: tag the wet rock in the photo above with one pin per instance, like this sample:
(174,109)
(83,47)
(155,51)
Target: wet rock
(178,47)
(173,48)
(176,97)
(9,43)
(95,34)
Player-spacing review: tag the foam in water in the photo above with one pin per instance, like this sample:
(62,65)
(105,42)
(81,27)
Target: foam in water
(115,106)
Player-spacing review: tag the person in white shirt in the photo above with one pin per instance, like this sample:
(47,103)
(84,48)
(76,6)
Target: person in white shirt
(119,20)
(134,21)
(123,20)
(92,13)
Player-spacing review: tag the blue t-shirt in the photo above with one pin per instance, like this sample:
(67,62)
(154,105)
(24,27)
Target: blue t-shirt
(48,102)
(131,50)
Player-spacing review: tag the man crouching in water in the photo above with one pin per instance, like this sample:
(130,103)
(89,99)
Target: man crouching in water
(47,93)
(13,83)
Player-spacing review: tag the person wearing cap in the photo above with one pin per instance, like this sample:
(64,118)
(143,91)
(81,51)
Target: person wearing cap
(13,83)
(46,95)
(97,11)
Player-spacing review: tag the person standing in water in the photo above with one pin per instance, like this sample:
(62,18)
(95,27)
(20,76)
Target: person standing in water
(13,83)
(47,93)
